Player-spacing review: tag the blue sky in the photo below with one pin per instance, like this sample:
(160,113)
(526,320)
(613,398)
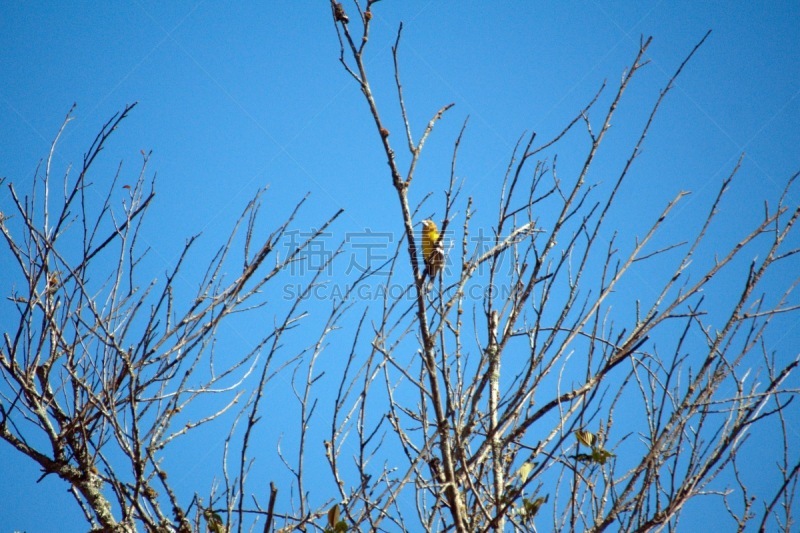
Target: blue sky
(233,98)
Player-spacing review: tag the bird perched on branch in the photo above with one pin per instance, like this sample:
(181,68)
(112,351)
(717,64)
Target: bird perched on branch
(432,248)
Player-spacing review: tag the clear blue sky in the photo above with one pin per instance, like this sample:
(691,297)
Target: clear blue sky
(237,97)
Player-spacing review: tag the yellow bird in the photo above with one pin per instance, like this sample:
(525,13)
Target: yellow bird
(432,248)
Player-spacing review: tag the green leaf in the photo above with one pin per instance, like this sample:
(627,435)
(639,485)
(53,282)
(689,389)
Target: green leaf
(599,455)
(214,521)
(525,470)
(333,516)
(530,508)
(586,438)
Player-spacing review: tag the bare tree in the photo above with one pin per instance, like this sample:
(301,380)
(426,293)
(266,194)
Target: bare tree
(523,385)
(507,411)
(98,367)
